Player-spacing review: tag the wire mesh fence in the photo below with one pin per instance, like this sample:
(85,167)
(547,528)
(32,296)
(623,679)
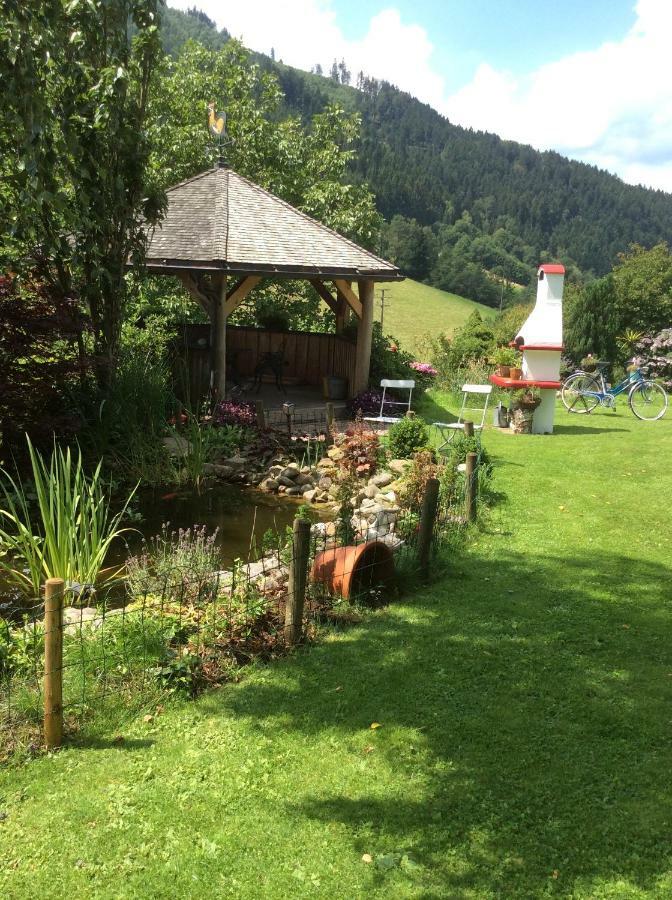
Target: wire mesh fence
(173,621)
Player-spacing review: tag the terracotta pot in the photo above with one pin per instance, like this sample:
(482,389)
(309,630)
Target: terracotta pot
(503,371)
(515,374)
(347,571)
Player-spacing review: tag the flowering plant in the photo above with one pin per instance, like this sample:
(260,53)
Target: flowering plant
(424,369)
(230,412)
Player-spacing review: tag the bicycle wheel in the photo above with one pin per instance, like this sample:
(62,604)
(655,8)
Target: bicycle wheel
(574,393)
(648,401)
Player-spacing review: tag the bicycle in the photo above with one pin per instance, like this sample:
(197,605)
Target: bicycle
(583,391)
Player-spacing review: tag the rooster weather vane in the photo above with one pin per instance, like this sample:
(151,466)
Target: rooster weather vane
(217,126)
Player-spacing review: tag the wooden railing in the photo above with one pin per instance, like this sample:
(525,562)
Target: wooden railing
(308,356)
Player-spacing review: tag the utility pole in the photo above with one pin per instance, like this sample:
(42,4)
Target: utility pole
(382,306)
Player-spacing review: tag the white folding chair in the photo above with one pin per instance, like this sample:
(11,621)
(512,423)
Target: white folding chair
(396,385)
(449,429)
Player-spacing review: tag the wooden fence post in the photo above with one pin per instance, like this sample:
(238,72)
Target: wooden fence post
(430,503)
(298,576)
(53,662)
(469,429)
(330,423)
(261,415)
(471,475)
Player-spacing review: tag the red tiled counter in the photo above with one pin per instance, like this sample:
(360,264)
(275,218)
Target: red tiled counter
(513,384)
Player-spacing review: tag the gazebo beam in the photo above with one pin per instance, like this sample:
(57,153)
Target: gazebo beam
(190,284)
(325,294)
(350,296)
(364,336)
(237,294)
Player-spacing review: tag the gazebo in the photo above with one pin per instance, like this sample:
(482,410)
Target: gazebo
(222,234)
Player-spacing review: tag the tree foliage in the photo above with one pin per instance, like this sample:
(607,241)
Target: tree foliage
(76,193)
(42,362)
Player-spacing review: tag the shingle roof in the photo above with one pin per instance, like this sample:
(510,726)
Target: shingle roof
(221,221)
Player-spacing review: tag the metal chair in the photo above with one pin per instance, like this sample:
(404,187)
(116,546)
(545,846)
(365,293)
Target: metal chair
(396,385)
(449,429)
(272,363)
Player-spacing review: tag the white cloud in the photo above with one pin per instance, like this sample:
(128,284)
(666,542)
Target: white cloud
(611,106)
(305,32)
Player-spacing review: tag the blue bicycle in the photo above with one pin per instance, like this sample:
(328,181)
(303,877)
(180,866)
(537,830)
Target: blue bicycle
(583,391)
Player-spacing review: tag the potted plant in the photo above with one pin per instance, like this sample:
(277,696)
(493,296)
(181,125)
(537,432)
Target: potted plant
(504,357)
(523,405)
(515,372)
(589,363)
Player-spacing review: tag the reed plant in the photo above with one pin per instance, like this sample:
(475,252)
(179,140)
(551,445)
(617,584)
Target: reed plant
(65,532)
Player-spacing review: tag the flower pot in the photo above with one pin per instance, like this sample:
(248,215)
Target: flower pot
(348,571)
(515,374)
(504,371)
(334,387)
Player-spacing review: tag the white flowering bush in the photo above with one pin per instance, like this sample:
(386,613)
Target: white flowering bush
(654,357)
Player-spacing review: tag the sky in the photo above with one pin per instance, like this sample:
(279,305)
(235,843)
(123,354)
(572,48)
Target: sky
(588,78)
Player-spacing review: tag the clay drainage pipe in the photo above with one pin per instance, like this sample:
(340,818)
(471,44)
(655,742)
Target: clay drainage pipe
(352,570)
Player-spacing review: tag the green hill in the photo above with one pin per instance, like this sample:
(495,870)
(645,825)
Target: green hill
(518,202)
(414,310)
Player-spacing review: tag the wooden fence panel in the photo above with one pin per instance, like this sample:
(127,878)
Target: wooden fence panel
(308,356)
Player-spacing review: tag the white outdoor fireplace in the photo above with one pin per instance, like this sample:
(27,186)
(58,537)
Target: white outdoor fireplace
(540,339)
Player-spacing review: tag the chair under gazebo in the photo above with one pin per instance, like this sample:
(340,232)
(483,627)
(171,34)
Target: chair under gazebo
(221,236)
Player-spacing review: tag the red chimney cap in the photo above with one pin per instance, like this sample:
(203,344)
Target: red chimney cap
(552,269)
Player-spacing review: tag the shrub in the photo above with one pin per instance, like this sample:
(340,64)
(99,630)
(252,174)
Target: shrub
(654,356)
(43,366)
(471,345)
(232,412)
(359,446)
(407,437)
(367,403)
(182,564)
(424,467)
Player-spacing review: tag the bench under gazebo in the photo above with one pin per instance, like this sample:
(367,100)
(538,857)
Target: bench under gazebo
(221,236)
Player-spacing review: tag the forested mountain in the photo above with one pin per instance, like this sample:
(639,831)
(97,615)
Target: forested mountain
(520,204)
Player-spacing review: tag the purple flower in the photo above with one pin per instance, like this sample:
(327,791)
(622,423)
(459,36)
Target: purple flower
(230,412)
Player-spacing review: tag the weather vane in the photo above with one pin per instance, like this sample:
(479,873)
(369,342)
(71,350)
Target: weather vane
(217,126)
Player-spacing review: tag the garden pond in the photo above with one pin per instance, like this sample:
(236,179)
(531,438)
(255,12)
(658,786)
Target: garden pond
(240,514)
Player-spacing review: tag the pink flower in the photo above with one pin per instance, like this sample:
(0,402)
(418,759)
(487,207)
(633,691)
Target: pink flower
(424,368)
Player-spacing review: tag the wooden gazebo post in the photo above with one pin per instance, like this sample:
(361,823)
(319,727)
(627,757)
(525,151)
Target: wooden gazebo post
(219,330)
(364,336)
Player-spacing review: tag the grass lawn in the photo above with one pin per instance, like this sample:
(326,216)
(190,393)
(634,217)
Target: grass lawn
(525,712)
(414,310)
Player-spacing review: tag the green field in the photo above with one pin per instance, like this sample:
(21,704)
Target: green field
(524,705)
(414,310)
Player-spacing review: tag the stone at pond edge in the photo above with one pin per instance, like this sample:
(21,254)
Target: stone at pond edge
(176,445)
(221,471)
(381,479)
(269,484)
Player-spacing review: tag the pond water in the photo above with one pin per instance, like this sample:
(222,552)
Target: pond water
(234,510)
